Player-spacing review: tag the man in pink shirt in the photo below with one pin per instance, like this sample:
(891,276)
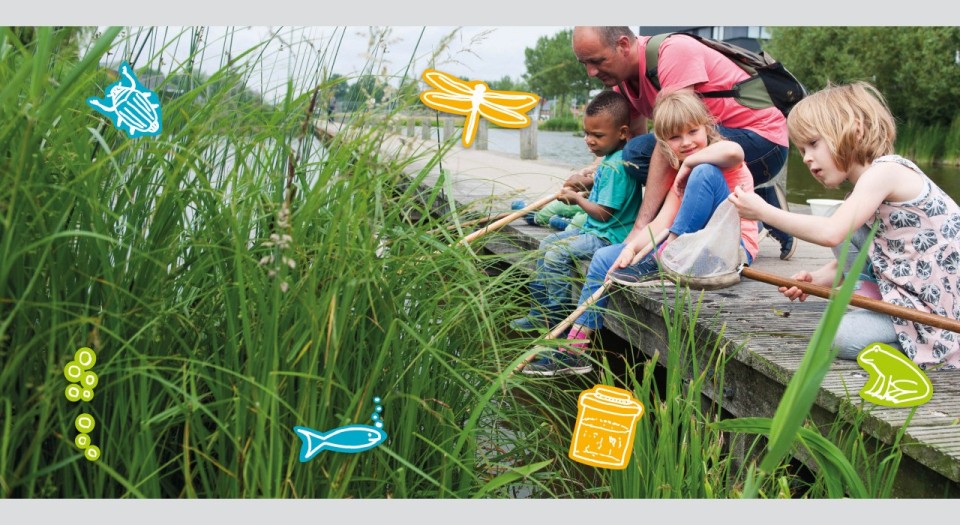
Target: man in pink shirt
(616,57)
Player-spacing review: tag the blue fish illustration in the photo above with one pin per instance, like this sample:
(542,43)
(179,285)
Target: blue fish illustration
(349,439)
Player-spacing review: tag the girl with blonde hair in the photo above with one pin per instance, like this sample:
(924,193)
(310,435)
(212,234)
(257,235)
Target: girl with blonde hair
(846,134)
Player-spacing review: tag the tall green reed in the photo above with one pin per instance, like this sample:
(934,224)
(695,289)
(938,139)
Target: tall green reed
(923,143)
(226,273)
(837,475)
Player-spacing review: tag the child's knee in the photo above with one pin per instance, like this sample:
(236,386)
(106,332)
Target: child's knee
(555,257)
(847,348)
(849,339)
(604,258)
(861,328)
(703,173)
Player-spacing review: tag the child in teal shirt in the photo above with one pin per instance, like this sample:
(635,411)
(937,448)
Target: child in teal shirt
(611,210)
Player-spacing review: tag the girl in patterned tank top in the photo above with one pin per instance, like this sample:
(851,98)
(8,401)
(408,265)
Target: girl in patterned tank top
(846,133)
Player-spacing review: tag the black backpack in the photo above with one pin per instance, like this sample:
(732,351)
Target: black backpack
(770,84)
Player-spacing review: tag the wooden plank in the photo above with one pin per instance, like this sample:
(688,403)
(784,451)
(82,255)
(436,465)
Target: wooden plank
(769,336)
(773,335)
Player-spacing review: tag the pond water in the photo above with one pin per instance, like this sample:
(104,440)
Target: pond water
(568,148)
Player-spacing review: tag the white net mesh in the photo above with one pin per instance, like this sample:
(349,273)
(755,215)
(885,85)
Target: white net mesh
(709,258)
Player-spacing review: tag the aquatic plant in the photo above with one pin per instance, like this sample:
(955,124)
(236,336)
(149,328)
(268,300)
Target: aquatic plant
(227,275)
(789,428)
(231,278)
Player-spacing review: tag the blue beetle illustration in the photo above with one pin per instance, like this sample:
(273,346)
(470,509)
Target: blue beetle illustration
(130,104)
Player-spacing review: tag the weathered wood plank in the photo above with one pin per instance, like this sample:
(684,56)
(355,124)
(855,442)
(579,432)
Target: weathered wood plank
(767,333)
(772,335)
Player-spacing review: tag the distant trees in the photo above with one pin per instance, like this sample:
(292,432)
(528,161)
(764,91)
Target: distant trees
(553,69)
(508,84)
(365,88)
(916,68)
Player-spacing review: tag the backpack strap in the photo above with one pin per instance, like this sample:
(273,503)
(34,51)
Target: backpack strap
(652,52)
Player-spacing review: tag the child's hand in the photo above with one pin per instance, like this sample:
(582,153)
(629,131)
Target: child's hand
(568,196)
(793,292)
(682,175)
(624,259)
(749,204)
(581,180)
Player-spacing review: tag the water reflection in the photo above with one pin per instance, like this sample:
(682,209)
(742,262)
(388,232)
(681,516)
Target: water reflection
(802,186)
(567,148)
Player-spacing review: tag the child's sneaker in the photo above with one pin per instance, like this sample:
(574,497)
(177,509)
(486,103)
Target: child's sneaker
(788,245)
(635,274)
(556,363)
(559,223)
(528,324)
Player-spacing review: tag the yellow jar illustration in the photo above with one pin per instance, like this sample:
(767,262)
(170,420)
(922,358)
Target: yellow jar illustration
(606,422)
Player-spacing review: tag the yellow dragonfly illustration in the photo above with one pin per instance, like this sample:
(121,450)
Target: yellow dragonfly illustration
(474,100)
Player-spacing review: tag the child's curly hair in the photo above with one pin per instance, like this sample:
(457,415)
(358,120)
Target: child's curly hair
(611,103)
(674,112)
(853,119)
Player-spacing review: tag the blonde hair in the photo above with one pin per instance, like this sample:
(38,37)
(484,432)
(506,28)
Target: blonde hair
(853,119)
(676,111)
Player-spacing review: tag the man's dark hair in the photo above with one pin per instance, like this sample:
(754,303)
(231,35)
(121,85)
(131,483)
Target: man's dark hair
(611,103)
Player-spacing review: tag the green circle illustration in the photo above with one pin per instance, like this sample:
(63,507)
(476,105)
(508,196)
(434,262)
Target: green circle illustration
(86,358)
(89,379)
(73,392)
(82,441)
(92,453)
(85,422)
(86,395)
(73,371)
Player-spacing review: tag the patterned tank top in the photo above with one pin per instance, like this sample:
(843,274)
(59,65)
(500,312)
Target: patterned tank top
(916,259)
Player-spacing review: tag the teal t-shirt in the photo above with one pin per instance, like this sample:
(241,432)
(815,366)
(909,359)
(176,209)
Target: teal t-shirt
(613,188)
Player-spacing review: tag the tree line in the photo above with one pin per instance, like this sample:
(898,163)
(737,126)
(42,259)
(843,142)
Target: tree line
(916,68)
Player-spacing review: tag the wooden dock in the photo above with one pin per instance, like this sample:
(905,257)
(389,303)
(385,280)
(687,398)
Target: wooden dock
(771,332)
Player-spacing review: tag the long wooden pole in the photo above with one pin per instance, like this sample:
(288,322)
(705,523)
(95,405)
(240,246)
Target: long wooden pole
(590,301)
(469,223)
(937,321)
(508,219)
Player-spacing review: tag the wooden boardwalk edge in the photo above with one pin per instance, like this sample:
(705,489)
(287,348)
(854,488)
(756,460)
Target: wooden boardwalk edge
(772,331)
(772,334)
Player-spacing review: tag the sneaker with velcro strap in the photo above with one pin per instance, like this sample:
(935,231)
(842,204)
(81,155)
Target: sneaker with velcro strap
(552,363)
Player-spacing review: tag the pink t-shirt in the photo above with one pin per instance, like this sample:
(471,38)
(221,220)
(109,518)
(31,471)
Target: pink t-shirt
(685,62)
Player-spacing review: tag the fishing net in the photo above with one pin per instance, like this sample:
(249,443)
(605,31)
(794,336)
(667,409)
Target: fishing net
(707,259)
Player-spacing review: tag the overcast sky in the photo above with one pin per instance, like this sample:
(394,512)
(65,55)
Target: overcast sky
(470,52)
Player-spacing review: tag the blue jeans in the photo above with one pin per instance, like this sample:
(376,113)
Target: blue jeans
(706,190)
(600,264)
(551,287)
(763,158)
